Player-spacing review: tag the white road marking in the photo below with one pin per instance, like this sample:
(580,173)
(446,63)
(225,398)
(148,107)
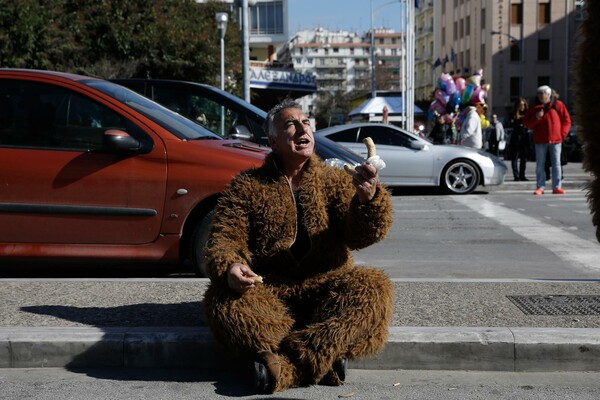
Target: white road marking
(402,210)
(579,252)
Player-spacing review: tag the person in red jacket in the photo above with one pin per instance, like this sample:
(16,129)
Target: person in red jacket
(550,121)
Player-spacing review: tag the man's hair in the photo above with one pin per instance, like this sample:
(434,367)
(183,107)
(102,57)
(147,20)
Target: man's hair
(544,89)
(269,125)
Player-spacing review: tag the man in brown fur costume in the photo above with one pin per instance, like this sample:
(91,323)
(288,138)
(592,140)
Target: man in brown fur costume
(294,222)
(587,83)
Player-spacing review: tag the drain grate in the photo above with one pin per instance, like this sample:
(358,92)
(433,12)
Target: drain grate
(557,304)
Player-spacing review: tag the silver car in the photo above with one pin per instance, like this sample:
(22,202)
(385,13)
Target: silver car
(414,161)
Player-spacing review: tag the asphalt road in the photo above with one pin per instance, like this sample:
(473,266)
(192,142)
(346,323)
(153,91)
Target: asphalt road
(498,235)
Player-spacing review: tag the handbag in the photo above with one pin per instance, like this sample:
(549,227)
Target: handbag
(501,145)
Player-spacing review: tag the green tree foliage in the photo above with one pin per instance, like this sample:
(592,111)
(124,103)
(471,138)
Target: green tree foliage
(176,39)
(332,108)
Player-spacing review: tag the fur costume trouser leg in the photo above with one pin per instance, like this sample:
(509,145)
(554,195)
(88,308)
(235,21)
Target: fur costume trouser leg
(339,314)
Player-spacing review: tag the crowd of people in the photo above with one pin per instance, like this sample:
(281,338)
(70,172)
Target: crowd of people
(541,126)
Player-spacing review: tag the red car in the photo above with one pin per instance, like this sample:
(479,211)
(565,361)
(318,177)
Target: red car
(91,170)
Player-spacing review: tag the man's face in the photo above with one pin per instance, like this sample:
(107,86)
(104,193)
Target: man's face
(543,97)
(294,140)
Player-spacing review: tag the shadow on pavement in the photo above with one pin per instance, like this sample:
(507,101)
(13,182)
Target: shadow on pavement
(92,269)
(188,314)
(426,191)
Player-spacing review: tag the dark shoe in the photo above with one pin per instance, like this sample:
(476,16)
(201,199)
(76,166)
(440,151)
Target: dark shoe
(337,375)
(340,366)
(517,179)
(267,369)
(523,179)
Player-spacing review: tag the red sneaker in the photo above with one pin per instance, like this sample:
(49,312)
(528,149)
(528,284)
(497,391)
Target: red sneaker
(558,191)
(538,192)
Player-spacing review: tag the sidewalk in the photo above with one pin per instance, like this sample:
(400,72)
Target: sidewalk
(574,177)
(455,325)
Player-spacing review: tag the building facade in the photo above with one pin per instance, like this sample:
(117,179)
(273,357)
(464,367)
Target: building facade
(341,60)
(519,44)
(425,47)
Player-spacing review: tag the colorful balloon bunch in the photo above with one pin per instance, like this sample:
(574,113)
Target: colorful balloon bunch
(453,94)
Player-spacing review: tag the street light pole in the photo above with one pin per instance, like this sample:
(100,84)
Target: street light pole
(246,48)
(373,87)
(221,18)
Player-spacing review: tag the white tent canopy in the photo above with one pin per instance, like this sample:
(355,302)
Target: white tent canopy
(372,109)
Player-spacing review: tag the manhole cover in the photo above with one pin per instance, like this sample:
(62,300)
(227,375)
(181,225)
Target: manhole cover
(557,304)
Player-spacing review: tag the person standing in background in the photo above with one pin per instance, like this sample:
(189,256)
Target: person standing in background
(439,131)
(470,129)
(495,135)
(518,146)
(550,121)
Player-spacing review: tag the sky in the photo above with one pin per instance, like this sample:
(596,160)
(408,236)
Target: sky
(347,15)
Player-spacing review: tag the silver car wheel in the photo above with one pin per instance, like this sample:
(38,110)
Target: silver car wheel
(460,177)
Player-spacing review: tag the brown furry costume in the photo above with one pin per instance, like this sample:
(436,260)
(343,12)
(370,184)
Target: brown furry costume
(587,84)
(309,312)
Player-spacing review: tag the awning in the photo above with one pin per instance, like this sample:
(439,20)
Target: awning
(372,109)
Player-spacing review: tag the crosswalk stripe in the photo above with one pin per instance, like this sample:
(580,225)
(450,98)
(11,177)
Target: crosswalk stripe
(579,252)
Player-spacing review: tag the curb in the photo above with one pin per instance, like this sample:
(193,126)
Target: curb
(580,184)
(427,348)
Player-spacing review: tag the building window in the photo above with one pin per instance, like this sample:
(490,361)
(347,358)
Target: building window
(468,25)
(443,36)
(515,87)
(516,14)
(266,18)
(543,80)
(461,28)
(515,50)
(482,55)
(455,33)
(467,60)
(543,13)
(443,7)
(543,50)
(482,22)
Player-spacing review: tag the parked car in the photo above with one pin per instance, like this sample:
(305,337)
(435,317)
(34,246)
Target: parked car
(414,161)
(225,114)
(94,171)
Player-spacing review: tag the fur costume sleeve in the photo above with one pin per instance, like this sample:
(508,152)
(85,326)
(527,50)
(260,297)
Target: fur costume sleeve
(228,240)
(363,224)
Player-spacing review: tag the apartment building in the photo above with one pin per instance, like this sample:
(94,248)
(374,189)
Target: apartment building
(341,60)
